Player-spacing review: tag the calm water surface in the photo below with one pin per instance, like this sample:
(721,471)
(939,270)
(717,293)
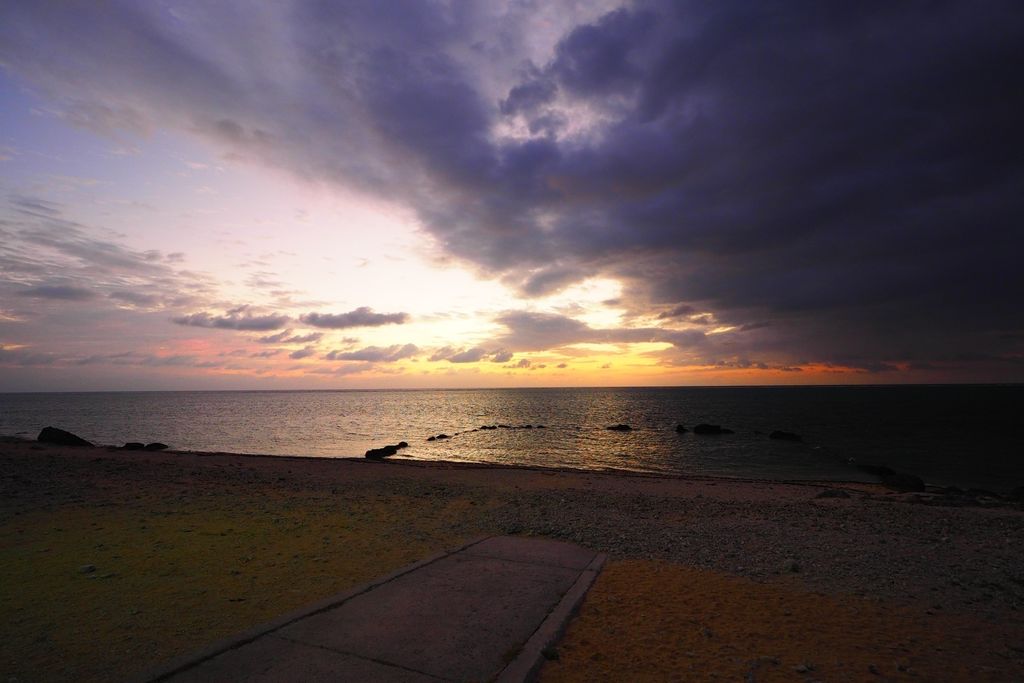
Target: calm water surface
(964,435)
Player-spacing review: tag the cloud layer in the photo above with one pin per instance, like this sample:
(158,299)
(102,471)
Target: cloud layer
(837,183)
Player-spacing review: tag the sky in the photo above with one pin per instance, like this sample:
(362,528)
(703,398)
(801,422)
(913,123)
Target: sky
(297,194)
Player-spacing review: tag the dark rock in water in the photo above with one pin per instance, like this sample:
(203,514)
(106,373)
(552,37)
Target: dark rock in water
(901,481)
(620,428)
(833,493)
(704,428)
(785,436)
(156,446)
(134,446)
(877,470)
(680,429)
(898,481)
(61,437)
(380,453)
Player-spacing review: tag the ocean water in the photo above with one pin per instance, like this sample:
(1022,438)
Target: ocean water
(969,436)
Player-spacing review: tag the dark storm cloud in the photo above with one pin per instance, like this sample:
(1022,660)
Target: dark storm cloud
(360,317)
(236,319)
(847,172)
(529,331)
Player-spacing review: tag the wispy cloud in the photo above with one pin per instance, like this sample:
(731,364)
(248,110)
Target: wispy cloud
(60,292)
(376,354)
(360,317)
(240,318)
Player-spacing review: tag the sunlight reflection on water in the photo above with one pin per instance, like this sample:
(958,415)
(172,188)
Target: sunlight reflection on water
(919,429)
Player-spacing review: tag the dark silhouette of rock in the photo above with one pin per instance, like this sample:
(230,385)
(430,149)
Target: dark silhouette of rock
(704,428)
(541,427)
(443,436)
(901,481)
(402,444)
(134,446)
(785,436)
(61,437)
(156,446)
(898,481)
(877,470)
(680,429)
(381,453)
(620,428)
(833,493)
(431,438)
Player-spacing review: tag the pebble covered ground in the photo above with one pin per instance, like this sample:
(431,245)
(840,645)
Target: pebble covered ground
(156,554)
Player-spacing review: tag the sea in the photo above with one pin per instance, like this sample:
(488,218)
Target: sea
(967,436)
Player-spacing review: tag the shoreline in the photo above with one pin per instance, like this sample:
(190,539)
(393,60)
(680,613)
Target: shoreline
(932,492)
(161,552)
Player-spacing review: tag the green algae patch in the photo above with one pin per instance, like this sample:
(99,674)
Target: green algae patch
(103,592)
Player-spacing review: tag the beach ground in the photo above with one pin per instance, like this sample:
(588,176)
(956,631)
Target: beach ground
(112,562)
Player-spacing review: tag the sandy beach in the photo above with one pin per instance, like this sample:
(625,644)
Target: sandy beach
(113,561)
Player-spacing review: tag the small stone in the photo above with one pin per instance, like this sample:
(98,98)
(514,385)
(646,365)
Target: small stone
(87,569)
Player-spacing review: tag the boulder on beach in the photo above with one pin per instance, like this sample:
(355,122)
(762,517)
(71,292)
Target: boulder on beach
(785,436)
(134,446)
(156,446)
(620,428)
(877,470)
(681,429)
(898,481)
(901,481)
(61,437)
(704,428)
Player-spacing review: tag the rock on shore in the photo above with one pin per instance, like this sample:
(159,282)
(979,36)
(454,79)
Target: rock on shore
(61,437)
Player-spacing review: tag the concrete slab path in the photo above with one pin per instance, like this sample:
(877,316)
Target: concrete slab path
(485,611)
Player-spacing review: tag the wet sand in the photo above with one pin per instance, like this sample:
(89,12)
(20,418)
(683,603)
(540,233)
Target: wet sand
(150,555)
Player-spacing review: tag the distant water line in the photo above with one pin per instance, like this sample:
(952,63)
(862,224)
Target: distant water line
(961,435)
